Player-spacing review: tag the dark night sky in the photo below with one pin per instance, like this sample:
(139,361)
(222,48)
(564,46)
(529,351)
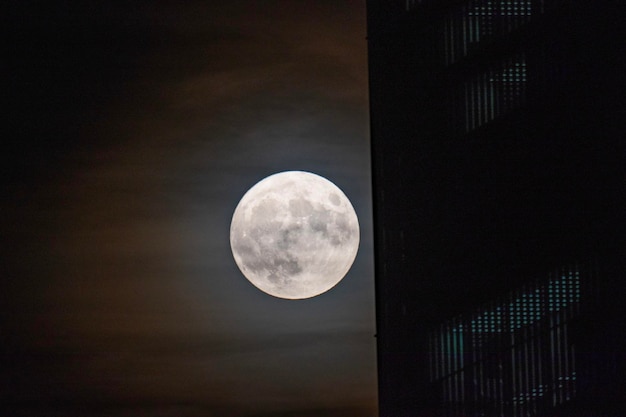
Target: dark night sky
(133,130)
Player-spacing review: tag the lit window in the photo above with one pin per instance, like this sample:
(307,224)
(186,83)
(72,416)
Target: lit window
(514,351)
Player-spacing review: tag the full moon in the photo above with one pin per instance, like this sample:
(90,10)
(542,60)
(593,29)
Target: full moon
(294,235)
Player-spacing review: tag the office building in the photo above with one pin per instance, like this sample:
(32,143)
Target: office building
(499,172)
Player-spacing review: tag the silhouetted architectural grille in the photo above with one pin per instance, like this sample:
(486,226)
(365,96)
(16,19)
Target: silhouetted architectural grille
(480,21)
(493,92)
(513,357)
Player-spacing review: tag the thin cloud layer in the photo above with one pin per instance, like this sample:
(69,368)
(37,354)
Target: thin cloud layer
(122,294)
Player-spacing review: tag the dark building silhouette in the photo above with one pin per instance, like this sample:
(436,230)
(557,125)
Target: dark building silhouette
(514,355)
(499,173)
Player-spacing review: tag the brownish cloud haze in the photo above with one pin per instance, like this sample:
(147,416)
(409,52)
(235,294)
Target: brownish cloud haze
(135,129)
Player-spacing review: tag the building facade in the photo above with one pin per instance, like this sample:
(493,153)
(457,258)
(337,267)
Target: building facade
(514,356)
(498,156)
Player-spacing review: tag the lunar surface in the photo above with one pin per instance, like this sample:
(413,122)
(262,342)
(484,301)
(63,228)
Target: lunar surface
(294,235)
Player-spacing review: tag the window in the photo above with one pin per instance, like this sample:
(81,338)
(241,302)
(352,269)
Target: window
(493,92)
(513,355)
(478,21)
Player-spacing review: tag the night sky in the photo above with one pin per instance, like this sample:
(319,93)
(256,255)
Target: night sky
(134,129)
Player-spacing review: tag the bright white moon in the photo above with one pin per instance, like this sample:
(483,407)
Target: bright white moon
(294,235)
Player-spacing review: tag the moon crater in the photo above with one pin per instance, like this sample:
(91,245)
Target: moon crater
(294,235)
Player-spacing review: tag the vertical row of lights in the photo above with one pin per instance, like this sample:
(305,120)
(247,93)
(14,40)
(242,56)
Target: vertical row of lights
(564,290)
(526,309)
